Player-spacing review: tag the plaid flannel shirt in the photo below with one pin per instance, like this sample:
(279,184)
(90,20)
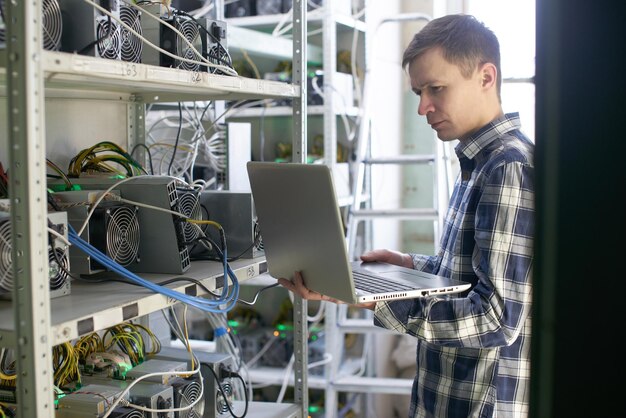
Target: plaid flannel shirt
(473,349)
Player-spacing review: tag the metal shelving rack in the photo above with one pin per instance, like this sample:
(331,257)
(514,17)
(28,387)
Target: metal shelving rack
(32,323)
(331,24)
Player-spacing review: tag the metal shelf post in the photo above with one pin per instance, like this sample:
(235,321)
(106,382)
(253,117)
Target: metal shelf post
(27,157)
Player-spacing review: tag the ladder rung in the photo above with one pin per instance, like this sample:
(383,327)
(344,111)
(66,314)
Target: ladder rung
(421,214)
(373,385)
(402,159)
(360,326)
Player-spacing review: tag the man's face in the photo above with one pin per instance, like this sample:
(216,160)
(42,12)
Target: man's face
(452,104)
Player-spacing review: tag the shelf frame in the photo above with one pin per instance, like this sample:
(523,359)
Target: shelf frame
(27,191)
(31,74)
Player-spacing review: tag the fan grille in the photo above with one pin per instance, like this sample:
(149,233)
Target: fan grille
(108,39)
(223,397)
(52,26)
(131,44)
(188,394)
(191,32)
(189,205)
(6,260)
(124,412)
(58,274)
(122,234)
(258,240)
(218,55)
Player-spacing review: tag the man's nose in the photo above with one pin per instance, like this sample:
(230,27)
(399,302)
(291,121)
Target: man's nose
(425,106)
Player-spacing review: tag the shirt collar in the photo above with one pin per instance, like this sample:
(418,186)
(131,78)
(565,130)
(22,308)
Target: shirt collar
(485,135)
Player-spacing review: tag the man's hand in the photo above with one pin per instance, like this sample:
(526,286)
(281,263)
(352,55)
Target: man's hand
(388,256)
(296,285)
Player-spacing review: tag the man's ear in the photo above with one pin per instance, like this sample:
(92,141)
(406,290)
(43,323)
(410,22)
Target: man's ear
(488,75)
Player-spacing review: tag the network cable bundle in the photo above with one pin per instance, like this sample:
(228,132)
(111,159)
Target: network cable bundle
(201,39)
(89,31)
(58,259)
(216,369)
(235,212)
(112,227)
(52,24)
(162,248)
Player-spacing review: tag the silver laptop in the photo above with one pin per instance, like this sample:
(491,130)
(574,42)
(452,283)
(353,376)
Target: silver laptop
(302,229)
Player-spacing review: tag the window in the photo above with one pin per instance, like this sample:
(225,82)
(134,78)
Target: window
(513,22)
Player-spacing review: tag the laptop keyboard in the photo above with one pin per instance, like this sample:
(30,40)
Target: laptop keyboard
(375,284)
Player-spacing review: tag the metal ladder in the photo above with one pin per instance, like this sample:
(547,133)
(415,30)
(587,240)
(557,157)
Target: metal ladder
(361,211)
(361,171)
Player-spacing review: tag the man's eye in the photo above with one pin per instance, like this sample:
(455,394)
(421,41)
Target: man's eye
(436,89)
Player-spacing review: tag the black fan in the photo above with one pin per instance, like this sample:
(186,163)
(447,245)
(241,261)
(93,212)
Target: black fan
(124,412)
(108,36)
(58,262)
(131,44)
(52,26)
(223,398)
(6,259)
(192,33)
(189,205)
(217,54)
(122,234)
(187,392)
(258,240)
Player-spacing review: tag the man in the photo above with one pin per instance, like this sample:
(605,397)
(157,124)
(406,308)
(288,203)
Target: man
(472,349)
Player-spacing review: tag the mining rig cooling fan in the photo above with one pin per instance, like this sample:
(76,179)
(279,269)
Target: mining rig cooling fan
(108,38)
(182,47)
(124,412)
(58,260)
(131,45)
(217,52)
(186,392)
(52,26)
(113,229)
(189,205)
(121,234)
(6,259)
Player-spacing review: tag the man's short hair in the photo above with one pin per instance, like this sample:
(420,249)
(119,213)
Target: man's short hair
(464,42)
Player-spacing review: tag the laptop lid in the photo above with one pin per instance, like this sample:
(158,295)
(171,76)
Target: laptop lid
(302,229)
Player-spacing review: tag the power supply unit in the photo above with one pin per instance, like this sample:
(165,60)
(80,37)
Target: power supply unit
(153,396)
(89,31)
(215,399)
(112,228)
(167,369)
(147,394)
(235,212)
(58,257)
(90,401)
